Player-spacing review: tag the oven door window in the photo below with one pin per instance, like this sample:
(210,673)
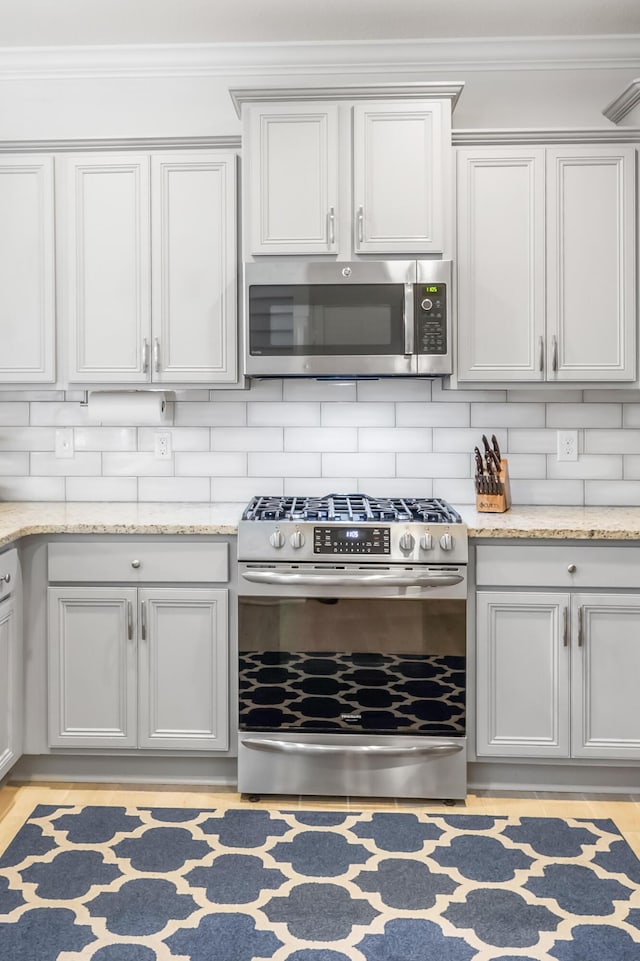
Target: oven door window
(384,666)
(326,320)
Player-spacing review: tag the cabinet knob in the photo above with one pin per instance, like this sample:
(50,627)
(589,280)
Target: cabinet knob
(135,564)
(571,568)
(6,578)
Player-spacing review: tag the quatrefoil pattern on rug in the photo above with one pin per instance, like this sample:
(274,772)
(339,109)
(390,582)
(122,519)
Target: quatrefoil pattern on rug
(156,884)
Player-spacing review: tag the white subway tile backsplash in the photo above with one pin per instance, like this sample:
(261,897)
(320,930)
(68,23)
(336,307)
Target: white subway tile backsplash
(588,466)
(359,465)
(270,389)
(14,413)
(394,439)
(544,394)
(44,463)
(531,441)
(269,414)
(358,415)
(612,493)
(433,415)
(105,438)
(321,438)
(135,464)
(402,487)
(440,391)
(320,486)
(433,465)
(527,465)
(33,488)
(547,492)
(463,441)
(27,438)
(456,490)
(584,415)
(241,489)
(276,464)
(612,441)
(631,415)
(65,414)
(339,391)
(395,390)
(246,438)
(182,438)
(213,414)
(211,464)
(190,489)
(102,489)
(488,417)
(14,462)
(631,467)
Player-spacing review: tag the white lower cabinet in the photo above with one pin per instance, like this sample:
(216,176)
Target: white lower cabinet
(138,668)
(557,672)
(11,678)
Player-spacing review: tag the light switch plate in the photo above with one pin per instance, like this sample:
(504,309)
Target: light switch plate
(64,442)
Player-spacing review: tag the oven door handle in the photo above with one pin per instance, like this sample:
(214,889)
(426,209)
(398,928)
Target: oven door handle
(354,580)
(300,747)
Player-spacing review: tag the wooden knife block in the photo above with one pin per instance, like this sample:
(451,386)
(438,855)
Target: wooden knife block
(496,503)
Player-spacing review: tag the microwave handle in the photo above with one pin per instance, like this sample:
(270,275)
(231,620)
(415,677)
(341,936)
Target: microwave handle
(409,320)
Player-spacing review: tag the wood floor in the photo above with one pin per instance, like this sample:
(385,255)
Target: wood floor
(17,802)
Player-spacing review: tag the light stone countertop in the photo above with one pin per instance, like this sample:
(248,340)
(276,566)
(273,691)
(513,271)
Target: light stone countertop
(19,519)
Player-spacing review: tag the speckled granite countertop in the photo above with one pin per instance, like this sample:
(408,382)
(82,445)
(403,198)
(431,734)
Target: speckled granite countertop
(21,519)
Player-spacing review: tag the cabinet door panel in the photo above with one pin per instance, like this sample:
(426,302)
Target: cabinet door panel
(107,267)
(194,267)
(92,667)
(27,295)
(591,267)
(606,668)
(398,177)
(523,675)
(183,669)
(500,263)
(292,177)
(10,688)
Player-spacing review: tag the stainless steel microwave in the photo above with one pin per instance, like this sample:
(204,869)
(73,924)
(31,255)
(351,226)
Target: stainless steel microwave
(361,319)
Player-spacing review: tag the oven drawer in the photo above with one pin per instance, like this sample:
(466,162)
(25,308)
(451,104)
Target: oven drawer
(563,566)
(138,561)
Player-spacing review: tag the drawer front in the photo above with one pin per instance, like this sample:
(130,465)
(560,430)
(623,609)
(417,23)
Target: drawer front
(8,572)
(563,566)
(137,562)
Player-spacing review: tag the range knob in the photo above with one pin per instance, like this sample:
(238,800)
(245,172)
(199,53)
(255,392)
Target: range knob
(426,542)
(406,541)
(446,542)
(277,539)
(297,539)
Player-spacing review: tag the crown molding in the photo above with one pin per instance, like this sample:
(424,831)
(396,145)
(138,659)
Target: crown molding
(618,109)
(121,143)
(402,57)
(544,136)
(373,91)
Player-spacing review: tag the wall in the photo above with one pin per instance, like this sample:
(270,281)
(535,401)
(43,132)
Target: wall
(383,437)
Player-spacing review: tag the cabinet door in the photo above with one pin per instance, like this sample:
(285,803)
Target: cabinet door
(183,669)
(292,178)
(11,702)
(501,264)
(605,672)
(27,296)
(107,269)
(522,674)
(194,264)
(92,667)
(400,176)
(591,212)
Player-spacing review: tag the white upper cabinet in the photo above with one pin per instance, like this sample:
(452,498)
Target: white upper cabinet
(546,264)
(149,260)
(27,285)
(344,179)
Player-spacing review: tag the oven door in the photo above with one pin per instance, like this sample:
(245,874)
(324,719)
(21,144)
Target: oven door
(319,319)
(352,649)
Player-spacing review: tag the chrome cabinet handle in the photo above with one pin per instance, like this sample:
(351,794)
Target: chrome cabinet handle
(129,620)
(143,620)
(580,627)
(554,348)
(360,220)
(135,564)
(145,356)
(300,747)
(565,626)
(332,225)
(354,580)
(541,353)
(156,355)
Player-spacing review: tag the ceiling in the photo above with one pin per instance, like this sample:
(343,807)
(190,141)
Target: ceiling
(37,23)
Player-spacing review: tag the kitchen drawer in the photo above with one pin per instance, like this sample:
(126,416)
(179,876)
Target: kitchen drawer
(533,565)
(134,562)
(8,572)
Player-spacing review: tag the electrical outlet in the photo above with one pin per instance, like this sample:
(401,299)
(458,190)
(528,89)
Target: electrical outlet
(64,442)
(162,445)
(567,445)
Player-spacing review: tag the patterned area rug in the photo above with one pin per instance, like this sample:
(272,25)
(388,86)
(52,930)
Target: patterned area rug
(160,884)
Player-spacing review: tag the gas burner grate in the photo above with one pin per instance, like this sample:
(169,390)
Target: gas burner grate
(348,508)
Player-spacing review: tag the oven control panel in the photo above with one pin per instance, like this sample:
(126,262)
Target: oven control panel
(351,540)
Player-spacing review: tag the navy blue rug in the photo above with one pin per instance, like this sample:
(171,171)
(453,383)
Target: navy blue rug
(160,884)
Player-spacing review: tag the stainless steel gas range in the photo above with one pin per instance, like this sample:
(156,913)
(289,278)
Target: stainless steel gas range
(352,647)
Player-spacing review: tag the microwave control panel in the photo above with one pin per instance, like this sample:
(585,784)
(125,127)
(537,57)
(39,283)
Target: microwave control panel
(431,318)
